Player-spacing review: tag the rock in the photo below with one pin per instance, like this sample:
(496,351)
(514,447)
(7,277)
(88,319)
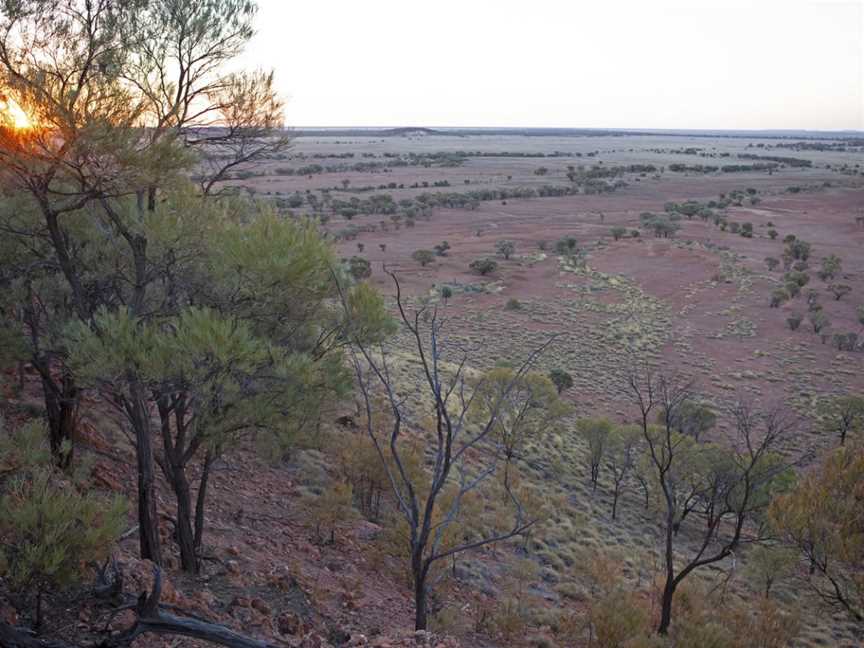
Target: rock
(262,606)
(289,623)
(358,640)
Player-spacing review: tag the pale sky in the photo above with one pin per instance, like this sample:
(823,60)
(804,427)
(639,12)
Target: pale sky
(566,63)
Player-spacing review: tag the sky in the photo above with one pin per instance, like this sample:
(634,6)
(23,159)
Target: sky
(668,64)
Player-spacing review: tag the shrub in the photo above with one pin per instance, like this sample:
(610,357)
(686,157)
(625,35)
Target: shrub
(618,232)
(772,263)
(561,379)
(794,321)
(50,529)
(513,304)
(818,321)
(747,230)
(446,293)
(359,268)
(793,289)
(839,290)
(505,248)
(483,267)
(423,257)
(778,297)
(566,246)
(442,248)
(772,233)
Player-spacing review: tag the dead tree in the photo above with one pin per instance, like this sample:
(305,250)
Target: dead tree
(725,489)
(461,459)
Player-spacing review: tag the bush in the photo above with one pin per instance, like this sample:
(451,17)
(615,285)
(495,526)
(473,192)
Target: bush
(50,529)
(441,249)
(772,233)
(561,379)
(772,263)
(513,304)
(794,321)
(747,230)
(839,290)
(446,293)
(566,246)
(359,268)
(779,296)
(819,321)
(423,257)
(505,248)
(483,267)
(618,232)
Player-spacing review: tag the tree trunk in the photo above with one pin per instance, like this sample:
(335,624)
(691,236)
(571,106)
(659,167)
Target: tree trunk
(61,407)
(666,608)
(420,602)
(615,503)
(148,522)
(209,458)
(185,535)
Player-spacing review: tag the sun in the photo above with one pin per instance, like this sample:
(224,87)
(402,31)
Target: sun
(13,115)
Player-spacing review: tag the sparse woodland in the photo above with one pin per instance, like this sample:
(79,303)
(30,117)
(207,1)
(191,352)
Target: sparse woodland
(163,332)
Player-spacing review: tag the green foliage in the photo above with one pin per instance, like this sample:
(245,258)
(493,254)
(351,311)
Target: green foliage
(505,248)
(794,321)
(566,246)
(819,321)
(446,293)
(831,266)
(842,415)
(596,433)
(483,267)
(358,267)
(50,528)
(779,296)
(561,379)
(618,232)
(423,257)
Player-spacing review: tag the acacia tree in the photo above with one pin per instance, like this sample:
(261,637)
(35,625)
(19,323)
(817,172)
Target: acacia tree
(527,407)
(463,458)
(842,415)
(596,433)
(822,519)
(724,489)
(622,453)
(124,98)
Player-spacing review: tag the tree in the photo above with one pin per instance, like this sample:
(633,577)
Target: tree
(842,415)
(768,564)
(726,489)
(442,248)
(840,290)
(505,248)
(446,293)
(49,527)
(90,76)
(690,418)
(778,297)
(622,452)
(831,266)
(818,320)
(618,232)
(483,267)
(566,246)
(794,321)
(358,267)
(524,407)
(420,495)
(561,379)
(423,257)
(596,433)
(824,523)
